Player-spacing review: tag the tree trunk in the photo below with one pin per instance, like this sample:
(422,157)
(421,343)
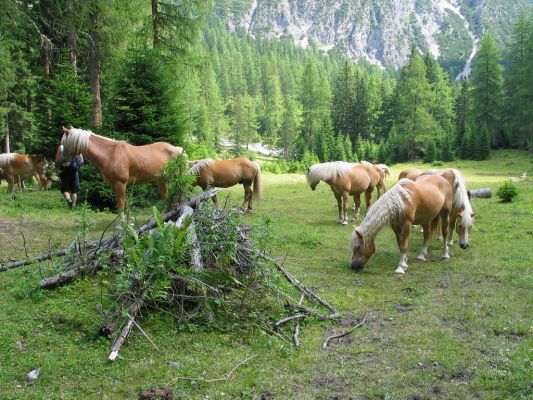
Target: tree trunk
(155,23)
(46,46)
(6,139)
(94,72)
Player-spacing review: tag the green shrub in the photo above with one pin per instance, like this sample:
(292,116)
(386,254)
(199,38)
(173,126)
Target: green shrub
(507,192)
(437,163)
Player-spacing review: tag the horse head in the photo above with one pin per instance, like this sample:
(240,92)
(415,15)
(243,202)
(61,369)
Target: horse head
(362,250)
(313,182)
(464,226)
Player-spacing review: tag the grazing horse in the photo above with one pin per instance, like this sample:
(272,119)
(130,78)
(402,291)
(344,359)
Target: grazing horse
(227,173)
(18,167)
(384,168)
(406,203)
(462,216)
(120,163)
(413,173)
(345,179)
(377,176)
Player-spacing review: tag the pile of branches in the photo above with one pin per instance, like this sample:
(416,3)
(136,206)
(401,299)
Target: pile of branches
(196,264)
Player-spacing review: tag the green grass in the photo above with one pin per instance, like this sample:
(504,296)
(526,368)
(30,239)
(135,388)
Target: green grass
(459,329)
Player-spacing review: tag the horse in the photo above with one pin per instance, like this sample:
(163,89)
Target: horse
(377,176)
(227,173)
(384,168)
(18,167)
(462,216)
(119,162)
(406,203)
(413,173)
(345,179)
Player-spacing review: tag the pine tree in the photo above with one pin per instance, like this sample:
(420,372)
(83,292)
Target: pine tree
(343,102)
(414,100)
(290,127)
(431,152)
(348,148)
(442,108)
(447,152)
(462,108)
(519,84)
(483,143)
(487,94)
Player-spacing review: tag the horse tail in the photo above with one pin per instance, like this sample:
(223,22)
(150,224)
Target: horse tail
(256,190)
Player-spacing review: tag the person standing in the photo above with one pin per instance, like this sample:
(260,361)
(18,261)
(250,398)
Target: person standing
(70,177)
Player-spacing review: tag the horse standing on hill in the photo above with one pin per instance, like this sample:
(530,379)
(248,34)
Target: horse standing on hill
(18,167)
(406,203)
(227,173)
(345,180)
(120,163)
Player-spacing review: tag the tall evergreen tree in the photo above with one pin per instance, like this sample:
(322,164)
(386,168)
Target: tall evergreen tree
(519,84)
(487,89)
(462,108)
(414,100)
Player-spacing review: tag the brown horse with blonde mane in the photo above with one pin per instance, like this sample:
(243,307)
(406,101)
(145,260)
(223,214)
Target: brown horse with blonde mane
(18,167)
(120,163)
(408,202)
(462,215)
(345,180)
(227,173)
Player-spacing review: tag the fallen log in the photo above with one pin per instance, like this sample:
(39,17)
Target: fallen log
(483,193)
(95,244)
(133,311)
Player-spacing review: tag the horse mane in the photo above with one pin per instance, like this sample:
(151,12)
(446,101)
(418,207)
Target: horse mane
(6,158)
(384,168)
(76,141)
(201,164)
(389,207)
(327,170)
(460,196)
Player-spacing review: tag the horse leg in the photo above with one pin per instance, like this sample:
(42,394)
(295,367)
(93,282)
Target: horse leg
(451,227)
(247,195)
(444,220)
(215,202)
(120,191)
(427,236)
(250,197)
(345,200)
(368,198)
(437,229)
(10,183)
(356,205)
(163,192)
(402,232)
(339,205)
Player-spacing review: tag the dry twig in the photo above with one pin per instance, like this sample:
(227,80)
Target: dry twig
(222,378)
(343,334)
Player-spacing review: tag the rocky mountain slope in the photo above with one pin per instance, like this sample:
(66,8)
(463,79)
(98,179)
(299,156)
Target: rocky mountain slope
(379,31)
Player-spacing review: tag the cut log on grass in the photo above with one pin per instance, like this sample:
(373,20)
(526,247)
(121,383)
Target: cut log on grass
(133,311)
(483,193)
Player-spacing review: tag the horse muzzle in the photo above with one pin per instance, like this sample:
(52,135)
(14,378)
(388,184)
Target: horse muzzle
(357,265)
(463,245)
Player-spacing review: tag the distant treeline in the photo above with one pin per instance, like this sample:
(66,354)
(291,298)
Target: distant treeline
(145,71)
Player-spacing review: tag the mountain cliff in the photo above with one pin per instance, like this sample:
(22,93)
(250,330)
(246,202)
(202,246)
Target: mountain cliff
(379,31)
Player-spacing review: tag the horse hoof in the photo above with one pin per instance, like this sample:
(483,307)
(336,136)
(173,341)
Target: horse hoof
(450,243)
(344,223)
(422,257)
(400,271)
(446,257)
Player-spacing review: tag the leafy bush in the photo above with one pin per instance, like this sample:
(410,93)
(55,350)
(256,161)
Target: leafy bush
(507,192)
(437,163)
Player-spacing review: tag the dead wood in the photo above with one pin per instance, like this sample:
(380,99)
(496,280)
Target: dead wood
(343,334)
(483,193)
(222,378)
(309,293)
(133,311)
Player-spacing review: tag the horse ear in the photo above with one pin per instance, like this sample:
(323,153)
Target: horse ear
(70,127)
(65,130)
(473,214)
(359,234)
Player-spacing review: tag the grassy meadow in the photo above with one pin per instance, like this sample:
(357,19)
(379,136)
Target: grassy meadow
(460,329)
